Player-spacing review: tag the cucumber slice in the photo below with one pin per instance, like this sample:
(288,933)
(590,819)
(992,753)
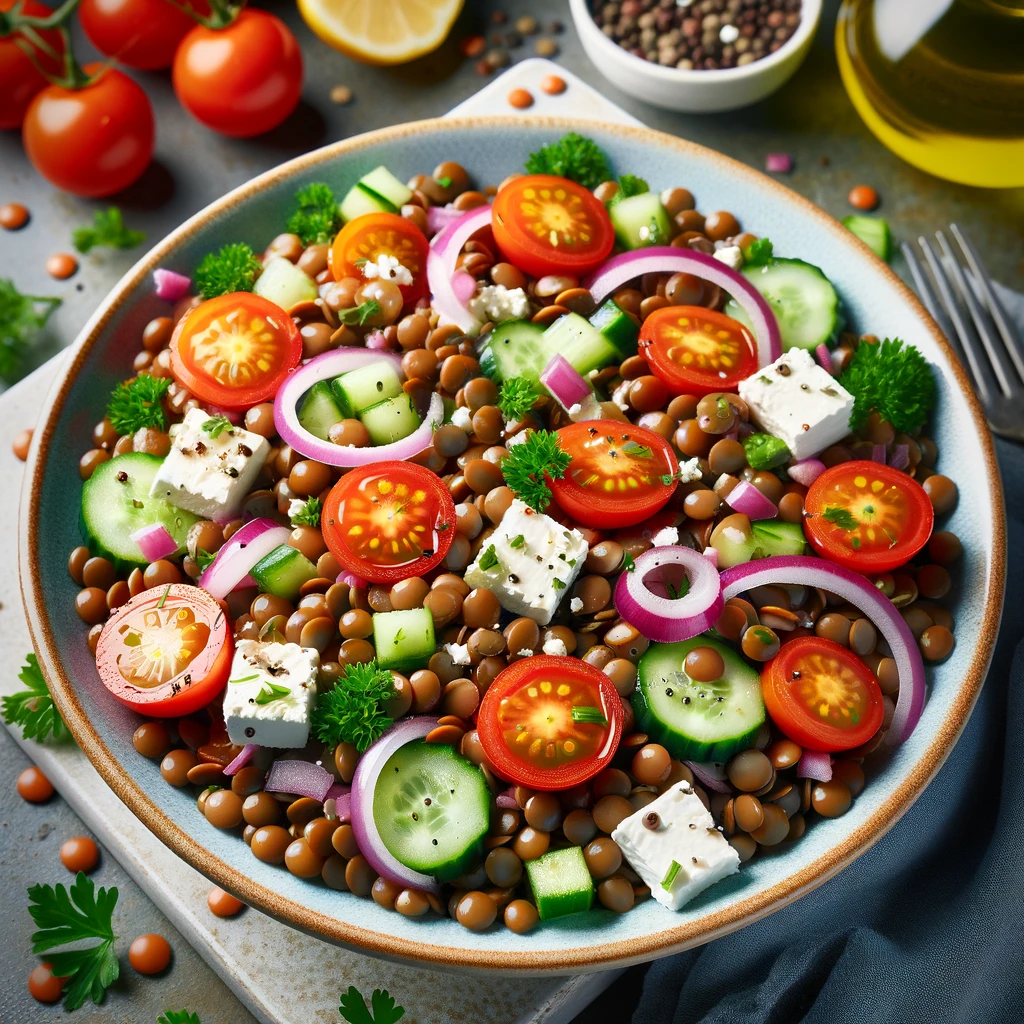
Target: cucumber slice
(697,721)
(580,342)
(802,298)
(113,508)
(514,348)
(360,200)
(381,182)
(284,283)
(368,385)
(319,411)
(392,420)
(873,232)
(283,572)
(431,808)
(618,327)
(404,640)
(561,883)
(774,537)
(641,221)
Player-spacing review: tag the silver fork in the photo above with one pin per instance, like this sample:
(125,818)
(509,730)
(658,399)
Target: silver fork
(973,319)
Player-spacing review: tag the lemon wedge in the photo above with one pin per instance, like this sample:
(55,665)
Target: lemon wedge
(381,31)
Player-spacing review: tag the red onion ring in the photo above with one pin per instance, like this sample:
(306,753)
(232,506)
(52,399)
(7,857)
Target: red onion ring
(566,385)
(450,241)
(243,758)
(444,298)
(806,471)
(710,776)
(245,548)
(814,765)
(664,259)
(656,615)
(746,498)
(303,778)
(154,542)
(824,356)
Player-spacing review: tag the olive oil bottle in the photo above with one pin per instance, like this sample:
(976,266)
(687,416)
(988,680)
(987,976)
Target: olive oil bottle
(940,82)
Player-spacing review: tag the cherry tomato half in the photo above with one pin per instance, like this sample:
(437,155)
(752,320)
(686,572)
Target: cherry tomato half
(615,476)
(20,79)
(822,695)
(235,350)
(167,652)
(697,351)
(382,234)
(550,722)
(241,80)
(140,34)
(550,225)
(867,517)
(389,521)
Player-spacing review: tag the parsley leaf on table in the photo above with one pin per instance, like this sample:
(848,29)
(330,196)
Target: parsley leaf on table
(531,463)
(353,1007)
(138,403)
(62,918)
(517,397)
(353,711)
(318,218)
(107,230)
(892,379)
(178,1017)
(573,156)
(231,269)
(33,709)
(21,316)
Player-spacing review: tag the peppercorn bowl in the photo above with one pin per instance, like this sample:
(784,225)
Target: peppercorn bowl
(875,300)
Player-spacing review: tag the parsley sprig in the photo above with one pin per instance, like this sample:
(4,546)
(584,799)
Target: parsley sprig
(216,425)
(107,230)
(629,185)
(359,314)
(21,317)
(893,379)
(318,218)
(354,1009)
(573,156)
(308,514)
(353,712)
(33,708)
(178,1017)
(138,403)
(63,917)
(517,396)
(232,269)
(531,463)
(758,253)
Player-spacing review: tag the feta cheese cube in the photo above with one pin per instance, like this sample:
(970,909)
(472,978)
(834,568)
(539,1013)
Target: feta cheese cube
(261,672)
(459,653)
(730,255)
(537,561)
(799,402)
(495,302)
(576,605)
(665,537)
(209,475)
(555,646)
(689,471)
(685,835)
(463,419)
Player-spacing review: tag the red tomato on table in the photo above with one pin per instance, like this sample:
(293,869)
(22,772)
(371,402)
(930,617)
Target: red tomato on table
(140,34)
(382,234)
(20,79)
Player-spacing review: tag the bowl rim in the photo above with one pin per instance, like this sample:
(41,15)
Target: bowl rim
(557,961)
(810,16)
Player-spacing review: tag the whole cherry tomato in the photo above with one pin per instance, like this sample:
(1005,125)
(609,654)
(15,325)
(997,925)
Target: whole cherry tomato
(241,80)
(20,79)
(92,141)
(138,33)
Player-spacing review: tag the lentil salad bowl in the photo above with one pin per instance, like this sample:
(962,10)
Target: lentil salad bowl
(640,750)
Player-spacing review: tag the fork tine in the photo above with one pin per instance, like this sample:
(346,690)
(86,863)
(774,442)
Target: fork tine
(1002,322)
(931,303)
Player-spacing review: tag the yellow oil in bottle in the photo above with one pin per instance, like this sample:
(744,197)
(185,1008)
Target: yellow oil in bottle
(940,82)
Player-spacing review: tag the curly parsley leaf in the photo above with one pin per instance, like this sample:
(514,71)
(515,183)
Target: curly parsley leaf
(318,218)
(359,314)
(353,711)
(758,253)
(308,514)
(63,917)
(384,1011)
(629,185)
(531,463)
(33,708)
(178,1017)
(517,396)
(841,517)
(892,379)
(489,559)
(216,425)
(573,156)
(232,269)
(21,317)
(138,403)
(204,559)
(107,230)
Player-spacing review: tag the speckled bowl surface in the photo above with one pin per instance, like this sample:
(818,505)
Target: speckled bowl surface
(490,148)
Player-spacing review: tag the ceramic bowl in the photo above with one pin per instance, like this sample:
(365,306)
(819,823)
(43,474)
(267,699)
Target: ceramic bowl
(490,148)
(696,92)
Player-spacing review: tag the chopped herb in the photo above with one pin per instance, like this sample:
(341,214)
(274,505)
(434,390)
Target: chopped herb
(841,517)
(517,397)
(764,451)
(216,425)
(444,182)
(204,559)
(573,156)
(245,679)
(758,254)
(232,269)
(308,515)
(589,715)
(318,218)
(629,185)
(637,450)
(138,403)
(178,1017)
(33,708)
(359,314)
(764,380)
(628,563)
(353,711)
(893,380)
(399,636)
(517,541)
(675,593)
(531,463)
(384,1011)
(21,317)
(670,875)
(163,597)
(489,559)
(271,692)
(557,584)
(107,230)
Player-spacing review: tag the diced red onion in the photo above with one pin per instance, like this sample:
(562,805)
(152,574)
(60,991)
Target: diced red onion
(824,356)
(878,453)
(338,803)
(243,550)
(440,217)
(376,341)
(806,471)
(233,416)
(443,296)
(710,775)
(506,800)
(303,778)
(564,382)
(169,285)
(652,611)
(859,591)
(350,579)
(814,764)
(711,554)
(154,542)
(746,498)
(243,758)
(451,240)
(463,285)
(364,783)
(778,163)
(668,260)
(899,457)
(331,364)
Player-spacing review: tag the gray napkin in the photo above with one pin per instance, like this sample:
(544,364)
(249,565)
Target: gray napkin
(928,925)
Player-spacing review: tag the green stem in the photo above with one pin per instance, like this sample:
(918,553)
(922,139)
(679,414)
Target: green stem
(222,12)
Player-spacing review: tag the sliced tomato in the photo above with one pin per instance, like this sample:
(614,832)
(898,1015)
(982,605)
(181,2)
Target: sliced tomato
(867,516)
(389,521)
(697,351)
(235,350)
(550,225)
(167,652)
(550,722)
(821,695)
(365,238)
(617,474)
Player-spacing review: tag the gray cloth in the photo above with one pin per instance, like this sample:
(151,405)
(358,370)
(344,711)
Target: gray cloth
(928,925)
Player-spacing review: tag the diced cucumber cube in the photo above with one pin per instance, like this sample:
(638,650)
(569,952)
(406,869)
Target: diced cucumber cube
(561,883)
(641,221)
(381,182)
(360,200)
(319,411)
(364,387)
(404,640)
(617,326)
(284,283)
(390,421)
(283,572)
(580,342)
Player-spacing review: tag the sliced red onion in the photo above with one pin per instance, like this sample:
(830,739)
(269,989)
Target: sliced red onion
(243,758)
(778,163)
(824,356)
(371,846)
(506,799)
(566,385)
(331,364)
(169,285)
(338,803)
(641,595)
(899,457)
(667,260)
(443,296)
(746,498)
(303,778)
(859,591)
(463,285)
(376,341)
(806,471)
(440,217)
(878,453)
(245,548)
(351,580)
(814,764)
(710,775)
(154,542)
(451,240)
(711,554)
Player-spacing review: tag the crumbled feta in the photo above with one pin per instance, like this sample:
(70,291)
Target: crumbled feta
(261,672)
(209,475)
(728,34)
(685,835)
(664,537)
(459,653)
(689,471)
(799,402)
(537,561)
(518,438)
(555,646)
(387,268)
(463,419)
(295,506)
(495,302)
(576,605)
(730,255)
(525,652)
